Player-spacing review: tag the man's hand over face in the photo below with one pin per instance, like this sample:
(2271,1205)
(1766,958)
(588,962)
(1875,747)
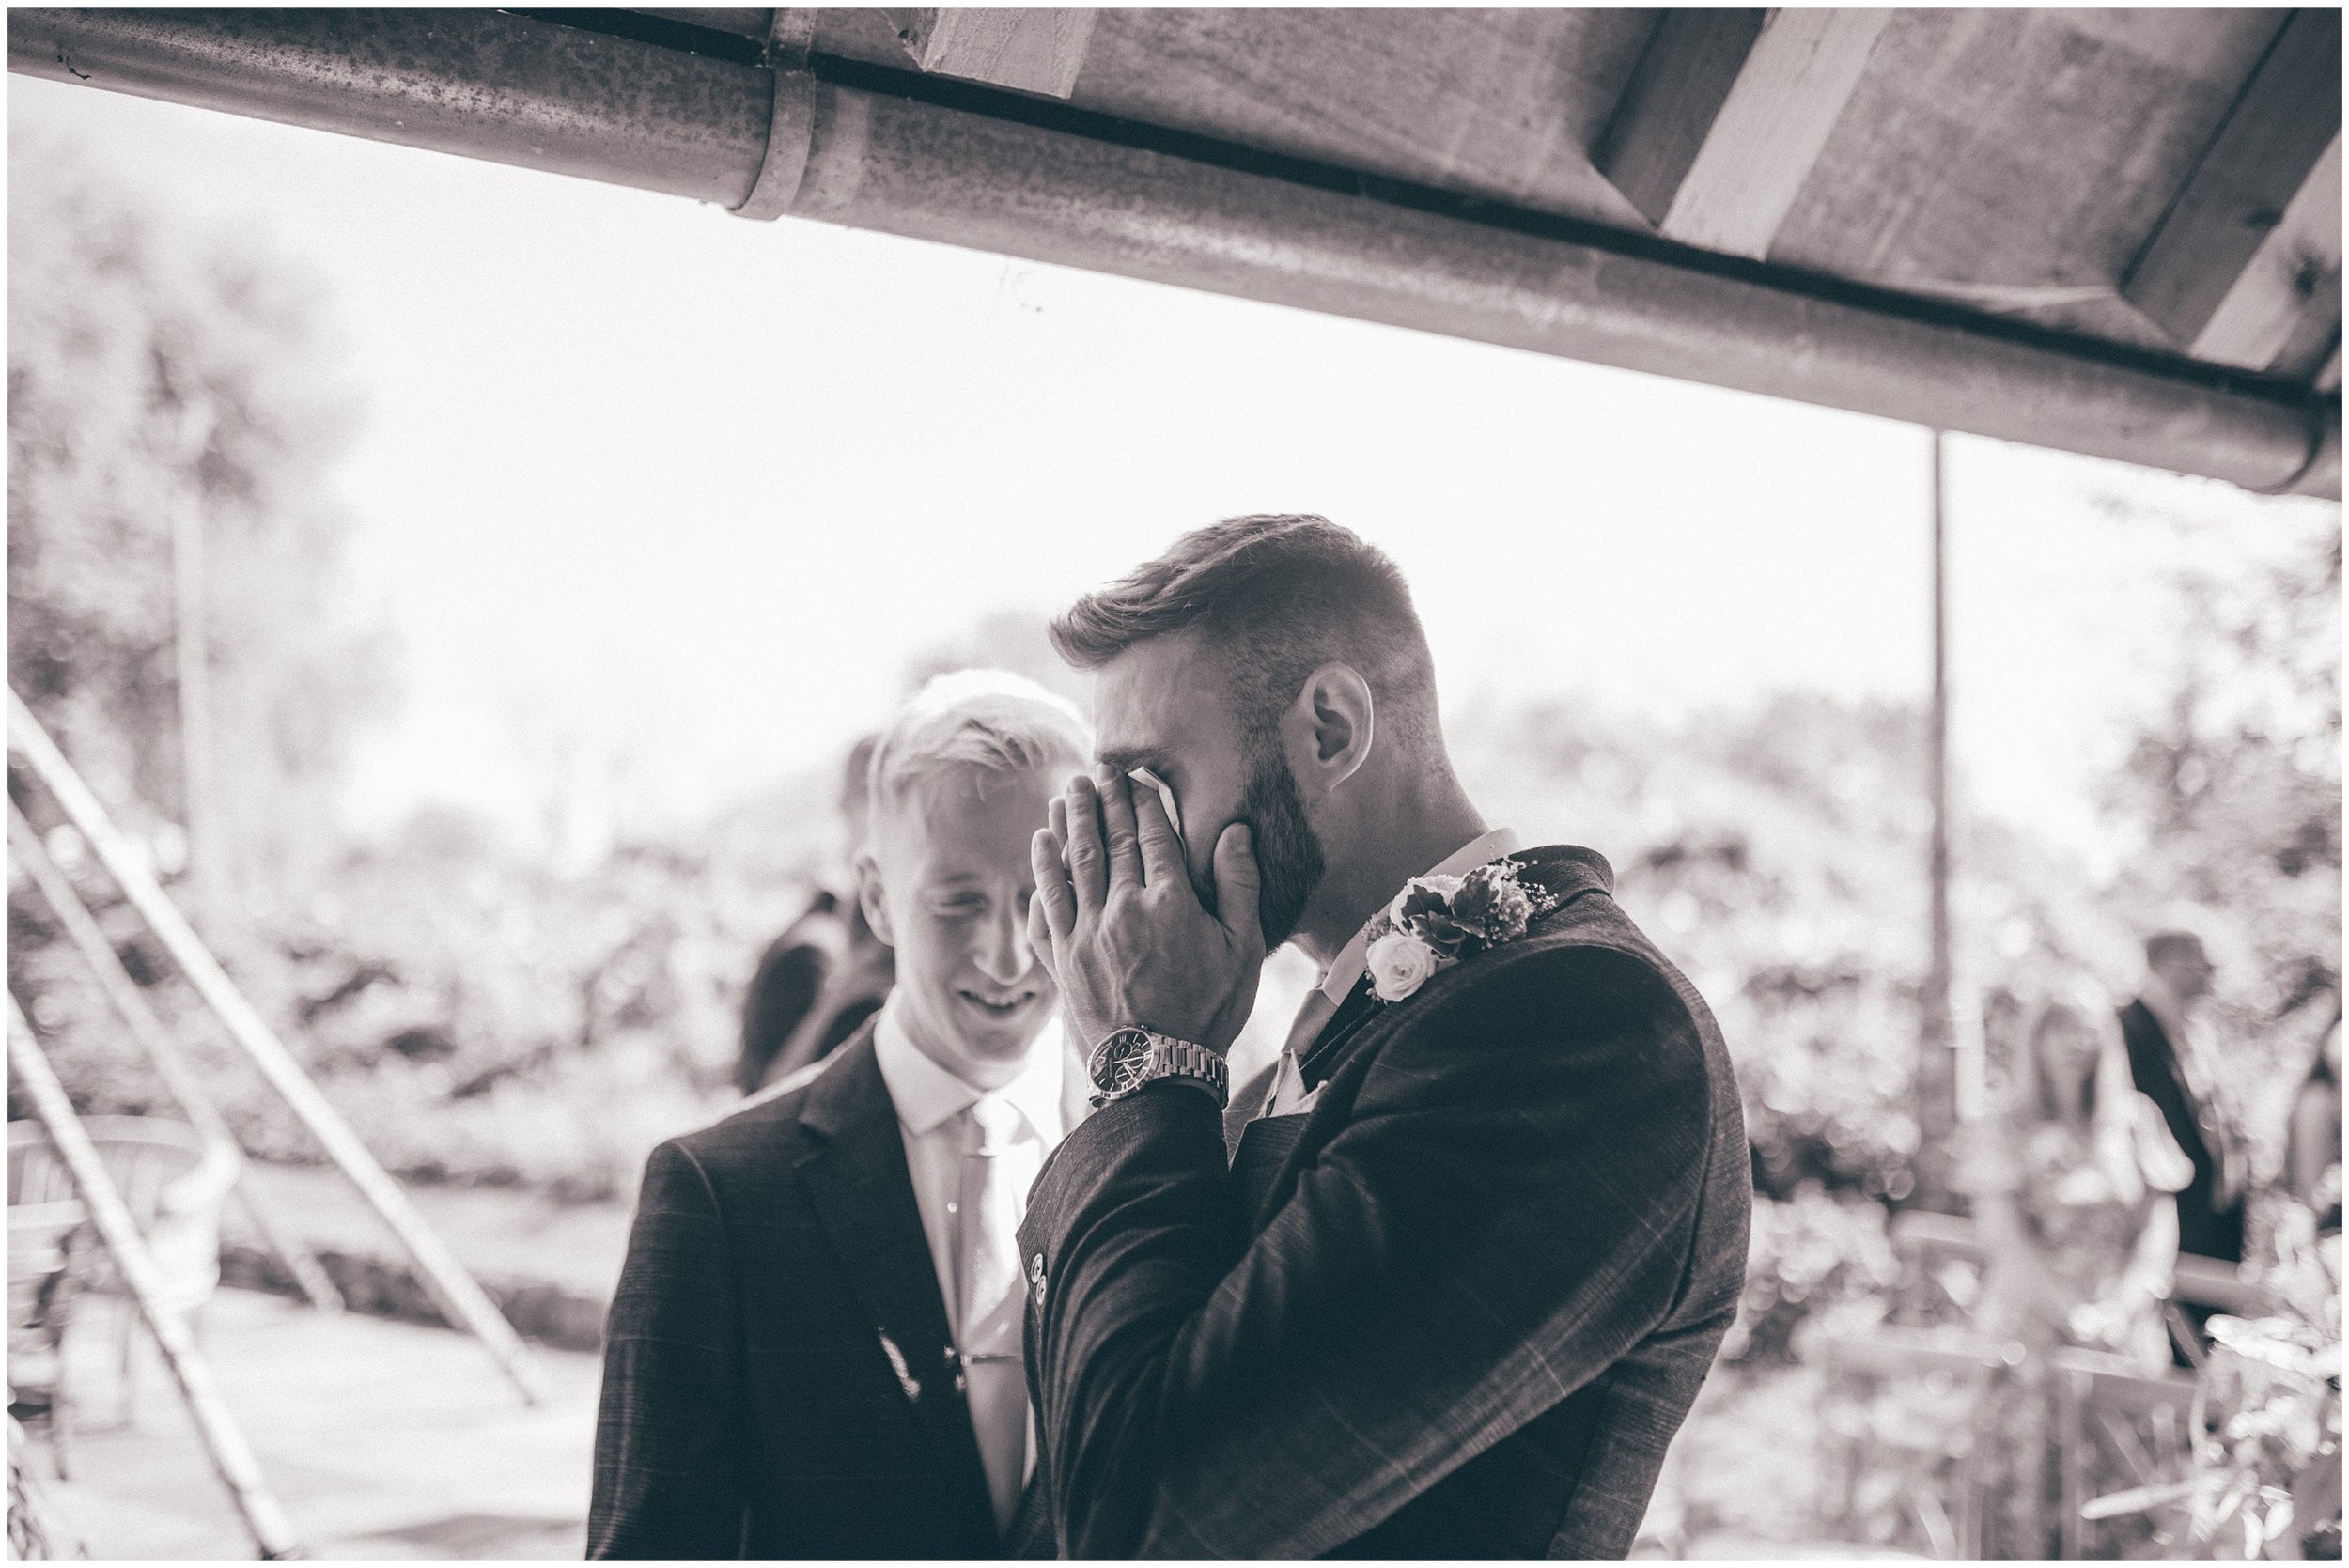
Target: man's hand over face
(1123,933)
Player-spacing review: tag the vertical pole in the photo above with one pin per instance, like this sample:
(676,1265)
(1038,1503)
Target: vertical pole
(193,672)
(1937,1086)
(224,1441)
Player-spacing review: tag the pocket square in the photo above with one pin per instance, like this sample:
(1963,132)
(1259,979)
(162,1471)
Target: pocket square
(1290,1098)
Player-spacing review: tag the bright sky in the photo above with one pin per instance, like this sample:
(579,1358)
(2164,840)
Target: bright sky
(682,492)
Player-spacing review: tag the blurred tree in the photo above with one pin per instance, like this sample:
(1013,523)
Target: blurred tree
(150,368)
(2235,785)
(2233,788)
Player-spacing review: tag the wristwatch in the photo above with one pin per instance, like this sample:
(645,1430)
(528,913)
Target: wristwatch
(1130,1058)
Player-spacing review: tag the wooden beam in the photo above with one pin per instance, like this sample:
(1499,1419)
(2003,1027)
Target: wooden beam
(2261,161)
(749,21)
(1726,115)
(1037,49)
(2292,277)
(1676,92)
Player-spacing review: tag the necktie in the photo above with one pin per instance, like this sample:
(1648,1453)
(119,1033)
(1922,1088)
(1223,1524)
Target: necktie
(994,1385)
(1312,1020)
(1288,1083)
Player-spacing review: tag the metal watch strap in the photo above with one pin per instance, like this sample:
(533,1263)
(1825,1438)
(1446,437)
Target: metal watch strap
(1172,1058)
(1181,1059)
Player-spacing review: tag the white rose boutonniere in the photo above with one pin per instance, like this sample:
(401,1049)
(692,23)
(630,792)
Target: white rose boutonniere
(1399,965)
(1434,922)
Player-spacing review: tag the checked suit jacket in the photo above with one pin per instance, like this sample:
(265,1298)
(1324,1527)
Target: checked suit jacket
(778,1377)
(1457,1310)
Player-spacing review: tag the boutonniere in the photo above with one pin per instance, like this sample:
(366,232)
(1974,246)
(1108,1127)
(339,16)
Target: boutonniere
(1434,922)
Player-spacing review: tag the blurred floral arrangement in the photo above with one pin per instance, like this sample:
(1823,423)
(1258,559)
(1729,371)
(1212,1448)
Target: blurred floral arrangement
(2264,1481)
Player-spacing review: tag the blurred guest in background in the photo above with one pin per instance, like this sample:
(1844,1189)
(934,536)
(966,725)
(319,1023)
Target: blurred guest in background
(2170,1070)
(2312,1147)
(814,1350)
(826,974)
(2073,1186)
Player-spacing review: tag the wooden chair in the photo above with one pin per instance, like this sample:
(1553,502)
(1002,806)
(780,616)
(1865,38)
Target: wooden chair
(175,1183)
(2108,1407)
(1926,1442)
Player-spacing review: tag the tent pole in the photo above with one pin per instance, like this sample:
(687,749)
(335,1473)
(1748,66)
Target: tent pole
(451,1287)
(224,1441)
(179,1077)
(1937,1063)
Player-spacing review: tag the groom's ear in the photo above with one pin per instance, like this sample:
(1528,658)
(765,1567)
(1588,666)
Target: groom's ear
(868,894)
(1330,728)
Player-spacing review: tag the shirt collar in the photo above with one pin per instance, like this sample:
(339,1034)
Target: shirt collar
(925,1094)
(1346,970)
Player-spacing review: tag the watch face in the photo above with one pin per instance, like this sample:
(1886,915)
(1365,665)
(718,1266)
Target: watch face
(1117,1062)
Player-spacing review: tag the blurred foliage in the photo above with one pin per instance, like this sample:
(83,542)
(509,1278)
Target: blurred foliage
(153,369)
(1813,1259)
(2233,790)
(1776,855)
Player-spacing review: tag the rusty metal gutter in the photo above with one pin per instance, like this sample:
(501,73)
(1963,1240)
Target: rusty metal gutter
(842,143)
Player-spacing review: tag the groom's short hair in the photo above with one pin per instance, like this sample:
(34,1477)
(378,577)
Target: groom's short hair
(1275,595)
(975,721)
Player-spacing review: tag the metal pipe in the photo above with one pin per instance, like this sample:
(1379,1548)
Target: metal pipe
(476,83)
(1937,1063)
(522,92)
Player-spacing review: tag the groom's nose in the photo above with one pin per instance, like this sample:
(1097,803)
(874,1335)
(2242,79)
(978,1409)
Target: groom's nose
(1003,953)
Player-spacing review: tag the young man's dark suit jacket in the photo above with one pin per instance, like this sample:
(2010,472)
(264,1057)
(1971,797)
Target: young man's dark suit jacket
(1457,1310)
(778,1378)
(2204,1228)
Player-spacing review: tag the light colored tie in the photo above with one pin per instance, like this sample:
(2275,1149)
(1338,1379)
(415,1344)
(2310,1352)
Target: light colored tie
(1288,1083)
(994,1385)
(1312,1020)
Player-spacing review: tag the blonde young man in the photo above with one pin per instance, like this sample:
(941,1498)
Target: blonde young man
(814,1348)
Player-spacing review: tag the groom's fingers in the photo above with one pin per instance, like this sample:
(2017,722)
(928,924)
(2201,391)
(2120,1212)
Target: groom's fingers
(1052,912)
(1040,932)
(1162,852)
(1237,884)
(1117,822)
(1088,861)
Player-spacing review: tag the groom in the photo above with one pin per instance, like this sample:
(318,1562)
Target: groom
(1462,1280)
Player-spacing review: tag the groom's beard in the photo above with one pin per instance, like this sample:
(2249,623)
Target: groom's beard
(1288,856)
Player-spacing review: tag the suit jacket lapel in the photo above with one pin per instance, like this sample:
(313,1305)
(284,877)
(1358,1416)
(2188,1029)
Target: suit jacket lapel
(1568,872)
(857,1184)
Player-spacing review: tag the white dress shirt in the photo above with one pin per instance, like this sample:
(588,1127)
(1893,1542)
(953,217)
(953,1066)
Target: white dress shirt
(934,1118)
(931,1103)
(1289,1094)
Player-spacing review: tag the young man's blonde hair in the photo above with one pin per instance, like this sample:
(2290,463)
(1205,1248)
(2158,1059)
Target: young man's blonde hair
(986,722)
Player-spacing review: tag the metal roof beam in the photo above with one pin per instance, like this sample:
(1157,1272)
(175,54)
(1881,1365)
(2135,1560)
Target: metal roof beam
(1014,180)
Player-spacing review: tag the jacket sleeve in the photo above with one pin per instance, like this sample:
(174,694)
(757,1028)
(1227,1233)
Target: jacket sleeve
(1510,1208)
(673,1440)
